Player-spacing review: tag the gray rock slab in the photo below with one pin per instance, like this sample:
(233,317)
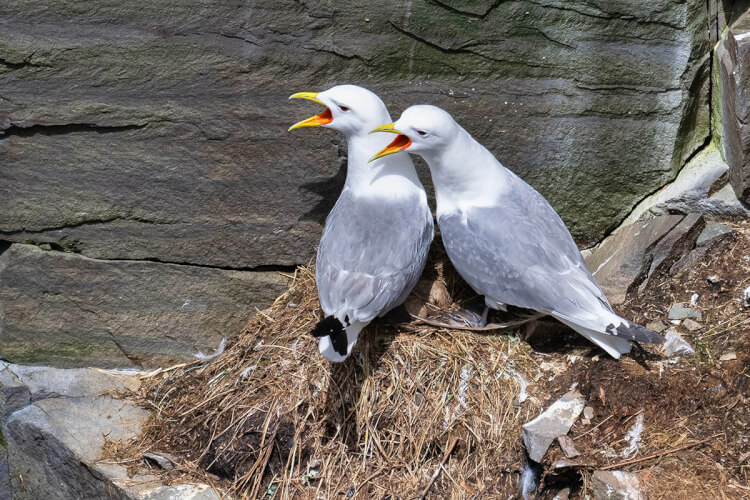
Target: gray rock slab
(734,61)
(621,262)
(554,422)
(67,310)
(616,485)
(122,140)
(712,232)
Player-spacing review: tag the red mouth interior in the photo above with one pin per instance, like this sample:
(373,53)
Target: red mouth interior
(325,117)
(399,143)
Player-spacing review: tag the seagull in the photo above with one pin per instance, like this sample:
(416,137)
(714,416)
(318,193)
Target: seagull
(376,238)
(503,237)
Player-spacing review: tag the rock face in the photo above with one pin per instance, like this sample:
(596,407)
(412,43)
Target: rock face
(135,132)
(131,132)
(55,440)
(68,310)
(734,62)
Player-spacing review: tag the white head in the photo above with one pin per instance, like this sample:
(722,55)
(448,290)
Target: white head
(349,109)
(422,129)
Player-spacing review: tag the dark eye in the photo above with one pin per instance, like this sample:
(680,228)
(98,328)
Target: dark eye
(345,109)
(422,133)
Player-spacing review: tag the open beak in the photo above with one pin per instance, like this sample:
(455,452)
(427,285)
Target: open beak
(400,143)
(314,121)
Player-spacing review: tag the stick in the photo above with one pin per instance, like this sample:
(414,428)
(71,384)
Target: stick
(659,454)
(435,475)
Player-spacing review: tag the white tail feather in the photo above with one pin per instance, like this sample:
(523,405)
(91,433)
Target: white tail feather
(615,346)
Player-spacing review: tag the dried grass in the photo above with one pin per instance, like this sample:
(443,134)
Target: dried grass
(271,416)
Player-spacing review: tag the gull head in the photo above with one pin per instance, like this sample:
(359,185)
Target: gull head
(349,109)
(421,129)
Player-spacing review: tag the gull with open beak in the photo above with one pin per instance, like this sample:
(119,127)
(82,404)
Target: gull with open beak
(376,238)
(503,237)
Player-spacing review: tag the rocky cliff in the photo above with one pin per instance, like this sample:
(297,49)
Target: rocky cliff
(150,190)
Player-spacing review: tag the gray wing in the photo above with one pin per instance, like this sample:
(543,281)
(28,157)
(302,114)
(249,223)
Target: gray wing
(519,252)
(371,255)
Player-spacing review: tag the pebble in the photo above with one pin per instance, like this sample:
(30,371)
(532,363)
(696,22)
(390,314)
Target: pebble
(680,311)
(692,325)
(730,356)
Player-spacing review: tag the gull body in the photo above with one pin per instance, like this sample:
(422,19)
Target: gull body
(376,238)
(503,237)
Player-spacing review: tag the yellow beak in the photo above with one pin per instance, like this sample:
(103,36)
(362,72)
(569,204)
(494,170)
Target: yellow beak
(314,121)
(400,143)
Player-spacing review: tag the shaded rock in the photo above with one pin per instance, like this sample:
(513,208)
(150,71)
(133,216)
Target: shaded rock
(623,261)
(554,422)
(713,234)
(734,61)
(673,246)
(675,345)
(681,311)
(616,485)
(746,297)
(67,310)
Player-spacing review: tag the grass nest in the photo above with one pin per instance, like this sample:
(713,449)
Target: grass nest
(420,409)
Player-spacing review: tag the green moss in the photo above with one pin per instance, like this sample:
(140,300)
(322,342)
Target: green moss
(70,351)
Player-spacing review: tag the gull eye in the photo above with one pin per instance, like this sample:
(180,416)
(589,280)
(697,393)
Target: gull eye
(345,109)
(422,133)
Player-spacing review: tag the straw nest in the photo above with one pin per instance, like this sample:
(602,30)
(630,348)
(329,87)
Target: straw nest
(271,416)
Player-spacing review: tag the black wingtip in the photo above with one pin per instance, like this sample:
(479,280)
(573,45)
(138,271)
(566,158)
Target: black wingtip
(638,333)
(333,328)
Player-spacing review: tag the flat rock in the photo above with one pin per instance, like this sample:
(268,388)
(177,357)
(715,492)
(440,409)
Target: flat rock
(681,311)
(66,310)
(554,422)
(675,345)
(616,485)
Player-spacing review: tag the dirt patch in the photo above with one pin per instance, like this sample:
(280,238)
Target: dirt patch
(271,419)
